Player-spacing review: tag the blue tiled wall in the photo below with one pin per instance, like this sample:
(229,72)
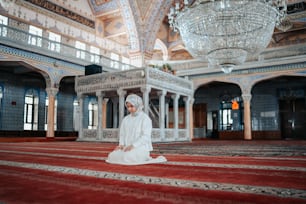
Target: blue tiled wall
(12,104)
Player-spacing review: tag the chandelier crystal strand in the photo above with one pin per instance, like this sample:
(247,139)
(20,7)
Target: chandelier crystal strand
(226,32)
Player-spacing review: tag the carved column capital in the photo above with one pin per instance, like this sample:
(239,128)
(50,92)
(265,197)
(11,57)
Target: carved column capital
(52,91)
(121,92)
(100,94)
(191,100)
(162,93)
(246,97)
(175,96)
(105,100)
(186,99)
(145,89)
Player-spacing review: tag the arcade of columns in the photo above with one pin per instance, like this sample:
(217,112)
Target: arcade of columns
(151,82)
(142,39)
(158,83)
(247,79)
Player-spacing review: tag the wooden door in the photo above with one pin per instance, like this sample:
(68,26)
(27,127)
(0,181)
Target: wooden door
(293,118)
(200,115)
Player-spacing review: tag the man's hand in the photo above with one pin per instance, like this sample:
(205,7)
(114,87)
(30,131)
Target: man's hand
(128,148)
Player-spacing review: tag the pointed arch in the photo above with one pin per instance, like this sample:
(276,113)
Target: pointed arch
(137,25)
(160,45)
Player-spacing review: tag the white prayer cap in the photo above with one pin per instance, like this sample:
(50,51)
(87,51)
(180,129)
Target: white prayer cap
(135,100)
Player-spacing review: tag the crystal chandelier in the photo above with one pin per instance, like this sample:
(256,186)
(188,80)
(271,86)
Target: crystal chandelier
(225,32)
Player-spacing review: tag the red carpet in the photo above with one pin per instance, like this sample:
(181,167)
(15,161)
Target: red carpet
(198,172)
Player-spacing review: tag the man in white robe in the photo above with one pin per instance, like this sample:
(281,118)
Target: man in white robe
(134,136)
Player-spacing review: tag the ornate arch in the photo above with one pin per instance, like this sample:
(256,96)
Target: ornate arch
(130,21)
(160,44)
(279,74)
(143,19)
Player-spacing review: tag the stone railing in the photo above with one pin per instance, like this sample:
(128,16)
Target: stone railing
(21,39)
(112,135)
(89,135)
(168,81)
(133,78)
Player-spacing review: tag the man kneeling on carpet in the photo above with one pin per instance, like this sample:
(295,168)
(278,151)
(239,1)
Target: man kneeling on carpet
(134,136)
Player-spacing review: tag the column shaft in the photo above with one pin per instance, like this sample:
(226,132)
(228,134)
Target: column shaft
(191,119)
(145,92)
(162,113)
(81,115)
(51,110)
(247,116)
(187,115)
(176,115)
(100,113)
(104,112)
(121,94)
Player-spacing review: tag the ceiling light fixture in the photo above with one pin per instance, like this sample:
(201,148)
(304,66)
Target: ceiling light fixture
(225,32)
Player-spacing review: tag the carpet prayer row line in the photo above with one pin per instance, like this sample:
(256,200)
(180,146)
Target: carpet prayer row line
(76,172)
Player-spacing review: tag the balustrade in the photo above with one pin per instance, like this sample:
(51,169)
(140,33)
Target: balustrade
(21,39)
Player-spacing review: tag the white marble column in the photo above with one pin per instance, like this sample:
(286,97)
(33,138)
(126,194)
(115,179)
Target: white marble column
(247,116)
(191,119)
(81,115)
(121,94)
(162,95)
(167,112)
(100,95)
(51,110)
(187,115)
(145,92)
(175,98)
(115,111)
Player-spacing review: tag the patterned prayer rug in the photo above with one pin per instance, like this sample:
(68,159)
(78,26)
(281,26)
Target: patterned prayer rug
(196,172)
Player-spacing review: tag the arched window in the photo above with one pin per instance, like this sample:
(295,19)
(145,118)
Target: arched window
(46,113)
(226,120)
(31,110)
(92,114)
(231,117)
(1,96)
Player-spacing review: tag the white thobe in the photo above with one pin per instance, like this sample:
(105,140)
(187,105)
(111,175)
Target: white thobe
(135,130)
